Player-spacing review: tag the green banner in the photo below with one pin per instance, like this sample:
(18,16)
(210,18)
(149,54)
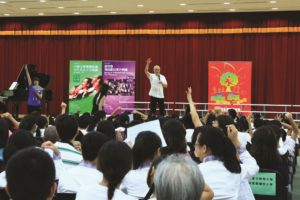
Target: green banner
(85,77)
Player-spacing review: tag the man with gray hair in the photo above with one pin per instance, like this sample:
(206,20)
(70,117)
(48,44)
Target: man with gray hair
(179,178)
(158,83)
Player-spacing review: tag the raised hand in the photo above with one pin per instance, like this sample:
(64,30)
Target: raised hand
(148,61)
(189,93)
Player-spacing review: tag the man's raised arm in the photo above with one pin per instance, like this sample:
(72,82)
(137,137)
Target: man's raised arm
(148,61)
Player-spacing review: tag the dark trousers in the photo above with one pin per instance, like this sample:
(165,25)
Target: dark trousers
(30,109)
(161,105)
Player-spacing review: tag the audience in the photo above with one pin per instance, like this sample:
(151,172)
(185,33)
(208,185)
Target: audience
(218,155)
(90,158)
(85,173)
(146,148)
(67,128)
(19,140)
(30,175)
(114,161)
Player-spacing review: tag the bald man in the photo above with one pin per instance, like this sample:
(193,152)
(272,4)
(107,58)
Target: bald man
(158,83)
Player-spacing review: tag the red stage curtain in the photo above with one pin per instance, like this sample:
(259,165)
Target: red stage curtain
(183,58)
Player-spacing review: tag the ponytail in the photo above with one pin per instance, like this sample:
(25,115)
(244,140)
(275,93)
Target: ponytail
(111,190)
(229,157)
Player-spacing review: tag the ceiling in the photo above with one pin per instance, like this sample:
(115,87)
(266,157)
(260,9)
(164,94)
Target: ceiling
(22,8)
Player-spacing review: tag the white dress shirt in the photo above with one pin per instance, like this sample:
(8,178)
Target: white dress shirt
(83,174)
(135,182)
(97,192)
(226,185)
(157,89)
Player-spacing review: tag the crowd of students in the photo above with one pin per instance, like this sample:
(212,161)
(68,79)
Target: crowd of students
(90,157)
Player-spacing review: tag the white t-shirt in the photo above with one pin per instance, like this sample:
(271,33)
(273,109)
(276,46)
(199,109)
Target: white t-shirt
(97,192)
(135,183)
(157,89)
(77,177)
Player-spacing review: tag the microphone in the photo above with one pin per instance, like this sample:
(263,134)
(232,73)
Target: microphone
(158,77)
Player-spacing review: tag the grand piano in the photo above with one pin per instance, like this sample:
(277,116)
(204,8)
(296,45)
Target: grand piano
(20,92)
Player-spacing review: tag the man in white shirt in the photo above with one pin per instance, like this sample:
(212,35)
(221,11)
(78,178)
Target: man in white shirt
(85,173)
(158,83)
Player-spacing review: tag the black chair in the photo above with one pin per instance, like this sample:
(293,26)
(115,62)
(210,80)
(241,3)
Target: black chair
(268,185)
(64,196)
(3,194)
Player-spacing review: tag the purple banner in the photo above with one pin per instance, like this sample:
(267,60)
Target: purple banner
(120,76)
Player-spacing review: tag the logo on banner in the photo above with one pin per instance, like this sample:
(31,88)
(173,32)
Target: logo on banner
(230,84)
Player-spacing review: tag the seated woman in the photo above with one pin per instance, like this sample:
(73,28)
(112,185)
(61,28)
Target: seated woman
(114,161)
(220,166)
(145,150)
(264,150)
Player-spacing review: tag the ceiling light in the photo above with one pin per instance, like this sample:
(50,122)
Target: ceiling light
(99,6)
(2,1)
(43,1)
(273,1)
(274,8)
(84,0)
(226,3)
(76,13)
(41,14)
(6,14)
(232,10)
(113,12)
(60,7)
(151,11)
(140,5)
(190,10)
(23,8)
(182,4)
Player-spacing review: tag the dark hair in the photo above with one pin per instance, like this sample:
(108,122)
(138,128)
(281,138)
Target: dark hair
(232,113)
(154,165)
(41,123)
(30,174)
(18,140)
(66,126)
(242,124)
(145,146)
(107,128)
(95,119)
(258,123)
(220,146)
(264,148)
(84,120)
(3,132)
(210,118)
(27,123)
(104,89)
(174,134)
(114,161)
(36,79)
(223,121)
(91,143)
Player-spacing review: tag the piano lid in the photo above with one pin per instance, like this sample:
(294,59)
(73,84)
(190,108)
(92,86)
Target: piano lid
(22,80)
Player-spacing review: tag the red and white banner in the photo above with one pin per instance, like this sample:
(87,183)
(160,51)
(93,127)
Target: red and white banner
(229,83)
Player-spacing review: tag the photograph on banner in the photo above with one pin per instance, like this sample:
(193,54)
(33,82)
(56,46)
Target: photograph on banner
(85,78)
(120,77)
(229,84)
